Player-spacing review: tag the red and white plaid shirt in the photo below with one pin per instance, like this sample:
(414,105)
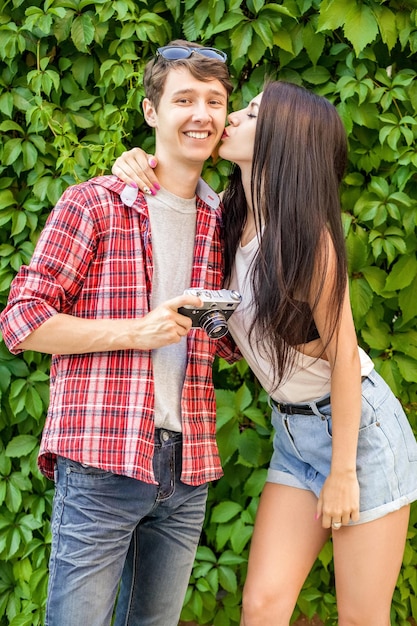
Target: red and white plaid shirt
(94,260)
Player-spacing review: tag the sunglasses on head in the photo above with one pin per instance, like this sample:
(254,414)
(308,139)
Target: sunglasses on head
(175,53)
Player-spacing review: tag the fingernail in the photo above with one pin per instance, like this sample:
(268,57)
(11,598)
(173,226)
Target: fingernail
(157,186)
(134,185)
(152,162)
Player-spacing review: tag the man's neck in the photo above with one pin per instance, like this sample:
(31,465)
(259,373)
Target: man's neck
(178,179)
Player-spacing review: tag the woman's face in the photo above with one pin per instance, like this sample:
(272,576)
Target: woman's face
(238,139)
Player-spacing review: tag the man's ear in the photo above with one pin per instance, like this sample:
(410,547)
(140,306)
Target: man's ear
(149,112)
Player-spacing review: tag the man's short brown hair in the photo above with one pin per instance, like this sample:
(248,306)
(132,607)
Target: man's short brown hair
(201,67)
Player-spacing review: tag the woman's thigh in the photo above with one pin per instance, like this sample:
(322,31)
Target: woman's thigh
(367,560)
(286,541)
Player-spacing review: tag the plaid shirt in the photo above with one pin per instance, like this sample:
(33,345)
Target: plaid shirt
(94,260)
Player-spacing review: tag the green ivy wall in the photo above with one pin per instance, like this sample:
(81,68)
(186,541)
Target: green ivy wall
(70,94)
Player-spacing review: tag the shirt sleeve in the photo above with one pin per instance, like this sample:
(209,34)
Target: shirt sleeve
(227,349)
(56,272)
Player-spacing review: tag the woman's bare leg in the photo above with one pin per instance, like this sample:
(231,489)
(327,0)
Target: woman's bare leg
(286,541)
(367,560)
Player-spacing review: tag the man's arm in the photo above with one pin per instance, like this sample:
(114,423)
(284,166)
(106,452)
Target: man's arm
(39,312)
(66,334)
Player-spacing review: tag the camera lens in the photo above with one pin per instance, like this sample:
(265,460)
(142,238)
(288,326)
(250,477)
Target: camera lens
(214,323)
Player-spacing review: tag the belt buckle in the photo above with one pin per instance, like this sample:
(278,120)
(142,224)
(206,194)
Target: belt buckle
(284,408)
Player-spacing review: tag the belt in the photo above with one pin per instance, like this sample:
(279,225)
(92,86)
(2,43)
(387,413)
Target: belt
(300,409)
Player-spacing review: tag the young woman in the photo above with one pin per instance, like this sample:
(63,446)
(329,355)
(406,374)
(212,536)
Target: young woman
(345,457)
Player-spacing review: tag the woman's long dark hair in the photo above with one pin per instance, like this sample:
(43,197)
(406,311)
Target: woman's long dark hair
(300,157)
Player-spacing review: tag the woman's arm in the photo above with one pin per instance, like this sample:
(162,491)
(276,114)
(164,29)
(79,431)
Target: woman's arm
(134,167)
(339,499)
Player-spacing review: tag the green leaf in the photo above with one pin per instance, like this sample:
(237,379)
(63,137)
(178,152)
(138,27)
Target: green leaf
(405,342)
(224,415)
(407,300)
(249,447)
(9,126)
(241,38)
(21,445)
(240,537)
(255,483)
(361,297)
(227,579)
(387,26)
(223,534)
(377,337)
(390,373)
(360,27)
(6,104)
(13,497)
(316,75)
(313,43)
(30,155)
(365,114)
(12,150)
(82,32)
(230,558)
(262,28)
(376,278)
(229,21)
(402,273)
(6,199)
(204,553)
(282,39)
(331,17)
(225,511)
(243,398)
(407,367)
(257,416)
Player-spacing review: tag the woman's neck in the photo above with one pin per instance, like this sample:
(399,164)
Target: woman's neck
(250,228)
(246,183)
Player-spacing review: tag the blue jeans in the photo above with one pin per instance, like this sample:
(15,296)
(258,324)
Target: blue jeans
(98,517)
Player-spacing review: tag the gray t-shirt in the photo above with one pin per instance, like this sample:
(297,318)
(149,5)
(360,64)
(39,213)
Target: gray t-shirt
(173,222)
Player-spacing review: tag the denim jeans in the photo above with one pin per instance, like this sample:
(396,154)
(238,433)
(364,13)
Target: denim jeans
(98,518)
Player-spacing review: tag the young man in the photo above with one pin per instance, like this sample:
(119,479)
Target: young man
(130,432)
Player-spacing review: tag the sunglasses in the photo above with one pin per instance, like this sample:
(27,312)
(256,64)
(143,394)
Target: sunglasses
(175,53)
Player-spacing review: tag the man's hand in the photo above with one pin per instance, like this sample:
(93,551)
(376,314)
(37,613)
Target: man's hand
(164,325)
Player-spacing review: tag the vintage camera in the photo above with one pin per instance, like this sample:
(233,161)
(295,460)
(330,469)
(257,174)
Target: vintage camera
(216,309)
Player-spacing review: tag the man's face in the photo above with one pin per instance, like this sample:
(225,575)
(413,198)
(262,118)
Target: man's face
(190,118)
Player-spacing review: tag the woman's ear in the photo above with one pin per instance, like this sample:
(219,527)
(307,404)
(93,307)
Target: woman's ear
(149,112)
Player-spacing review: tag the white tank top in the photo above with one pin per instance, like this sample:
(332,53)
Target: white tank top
(310,377)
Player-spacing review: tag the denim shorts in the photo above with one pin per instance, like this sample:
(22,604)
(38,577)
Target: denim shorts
(386,456)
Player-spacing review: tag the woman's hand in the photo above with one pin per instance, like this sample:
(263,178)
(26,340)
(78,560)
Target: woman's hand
(134,167)
(338,503)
